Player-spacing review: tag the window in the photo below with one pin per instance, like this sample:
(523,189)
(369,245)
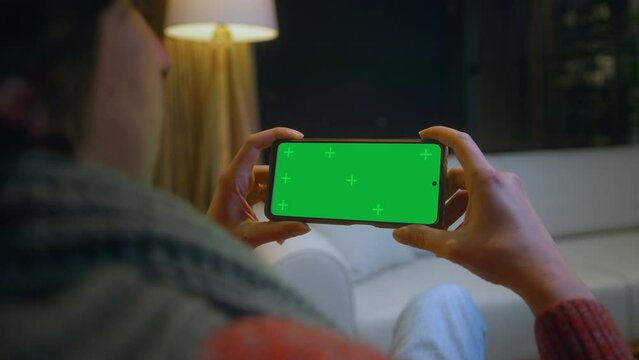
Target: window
(523,74)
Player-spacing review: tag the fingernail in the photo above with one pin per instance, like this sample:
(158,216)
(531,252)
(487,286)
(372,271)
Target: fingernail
(297,133)
(398,232)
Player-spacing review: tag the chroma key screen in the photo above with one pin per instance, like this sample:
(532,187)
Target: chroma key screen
(380,182)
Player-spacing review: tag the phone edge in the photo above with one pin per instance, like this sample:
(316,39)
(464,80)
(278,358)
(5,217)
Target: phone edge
(387,225)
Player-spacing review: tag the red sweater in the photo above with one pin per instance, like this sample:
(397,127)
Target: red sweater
(577,329)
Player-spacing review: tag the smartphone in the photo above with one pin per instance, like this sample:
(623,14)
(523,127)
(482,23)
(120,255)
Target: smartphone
(385,183)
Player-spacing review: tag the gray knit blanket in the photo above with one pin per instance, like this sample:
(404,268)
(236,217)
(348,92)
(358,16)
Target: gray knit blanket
(95,266)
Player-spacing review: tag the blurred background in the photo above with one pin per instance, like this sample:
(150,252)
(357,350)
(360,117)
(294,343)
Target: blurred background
(515,74)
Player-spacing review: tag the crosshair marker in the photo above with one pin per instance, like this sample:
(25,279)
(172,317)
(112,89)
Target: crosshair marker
(286,178)
(330,153)
(288,152)
(282,205)
(352,180)
(378,209)
(426,154)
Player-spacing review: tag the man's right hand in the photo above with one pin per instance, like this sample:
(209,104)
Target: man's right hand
(501,239)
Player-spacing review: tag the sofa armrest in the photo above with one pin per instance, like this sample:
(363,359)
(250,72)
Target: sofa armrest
(312,266)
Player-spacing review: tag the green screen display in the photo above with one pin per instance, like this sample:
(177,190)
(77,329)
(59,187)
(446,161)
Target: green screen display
(375,182)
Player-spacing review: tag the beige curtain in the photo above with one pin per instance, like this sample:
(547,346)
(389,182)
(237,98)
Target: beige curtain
(210,108)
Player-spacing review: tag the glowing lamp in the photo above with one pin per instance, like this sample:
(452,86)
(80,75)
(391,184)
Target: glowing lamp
(199,20)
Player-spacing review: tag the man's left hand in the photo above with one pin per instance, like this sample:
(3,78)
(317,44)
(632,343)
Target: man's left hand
(242,184)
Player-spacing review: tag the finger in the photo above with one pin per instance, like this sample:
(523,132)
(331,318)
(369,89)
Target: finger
(466,150)
(256,234)
(454,181)
(455,208)
(257,195)
(423,237)
(260,173)
(247,206)
(250,151)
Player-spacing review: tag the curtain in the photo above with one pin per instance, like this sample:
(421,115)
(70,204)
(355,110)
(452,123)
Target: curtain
(210,108)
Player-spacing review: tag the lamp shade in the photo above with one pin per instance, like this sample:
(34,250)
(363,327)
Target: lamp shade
(247,20)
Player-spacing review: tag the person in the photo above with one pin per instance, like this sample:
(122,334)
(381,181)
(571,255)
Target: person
(97,264)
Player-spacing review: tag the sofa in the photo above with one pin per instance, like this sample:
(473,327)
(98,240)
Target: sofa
(588,199)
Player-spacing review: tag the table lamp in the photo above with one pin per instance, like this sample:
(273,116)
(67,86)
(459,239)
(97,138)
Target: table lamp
(211,93)
(241,20)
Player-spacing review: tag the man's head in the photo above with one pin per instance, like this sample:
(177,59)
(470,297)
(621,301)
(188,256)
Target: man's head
(89,72)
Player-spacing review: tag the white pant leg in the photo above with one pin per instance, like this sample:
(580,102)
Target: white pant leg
(442,323)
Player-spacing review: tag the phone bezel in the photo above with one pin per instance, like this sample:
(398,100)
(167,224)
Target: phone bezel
(382,224)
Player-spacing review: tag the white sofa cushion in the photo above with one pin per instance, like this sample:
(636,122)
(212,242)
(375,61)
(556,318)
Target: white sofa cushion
(579,191)
(367,249)
(616,254)
(318,271)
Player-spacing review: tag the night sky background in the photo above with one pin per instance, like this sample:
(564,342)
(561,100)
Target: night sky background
(356,68)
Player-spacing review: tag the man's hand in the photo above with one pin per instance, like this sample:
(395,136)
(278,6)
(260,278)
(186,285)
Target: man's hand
(501,239)
(242,184)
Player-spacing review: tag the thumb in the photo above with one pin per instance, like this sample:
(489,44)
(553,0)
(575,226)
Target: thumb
(423,237)
(258,233)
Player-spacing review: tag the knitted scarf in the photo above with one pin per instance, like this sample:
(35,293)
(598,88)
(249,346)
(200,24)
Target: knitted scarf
(93,265)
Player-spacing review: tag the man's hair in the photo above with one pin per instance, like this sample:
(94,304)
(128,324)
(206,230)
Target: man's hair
(52,44)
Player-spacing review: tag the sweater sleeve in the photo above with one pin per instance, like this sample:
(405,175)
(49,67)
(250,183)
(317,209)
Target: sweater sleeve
(275,338)
(579,329)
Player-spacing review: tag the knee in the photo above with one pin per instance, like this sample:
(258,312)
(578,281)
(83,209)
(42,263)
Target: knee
(447,300)
(449,291)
